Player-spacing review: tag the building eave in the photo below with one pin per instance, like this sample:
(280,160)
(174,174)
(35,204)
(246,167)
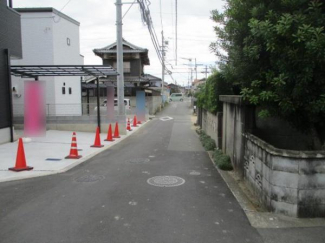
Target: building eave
(47,10)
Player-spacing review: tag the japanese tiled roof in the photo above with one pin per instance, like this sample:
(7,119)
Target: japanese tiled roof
(127,48)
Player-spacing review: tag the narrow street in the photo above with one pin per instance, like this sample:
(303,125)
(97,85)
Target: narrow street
(109,199)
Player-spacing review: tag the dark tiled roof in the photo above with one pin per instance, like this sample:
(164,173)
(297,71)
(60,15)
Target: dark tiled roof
(112,48)
(144,78)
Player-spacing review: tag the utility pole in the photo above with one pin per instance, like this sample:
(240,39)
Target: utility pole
(195,69)
(176,32)
(206,72)
(119,57)
(163,65)
(190,65)
(191,75)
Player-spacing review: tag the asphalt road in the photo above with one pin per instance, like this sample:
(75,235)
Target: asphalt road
(108,198)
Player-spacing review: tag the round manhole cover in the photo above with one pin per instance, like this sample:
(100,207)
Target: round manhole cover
(89,178)
(138,161)
(166,181)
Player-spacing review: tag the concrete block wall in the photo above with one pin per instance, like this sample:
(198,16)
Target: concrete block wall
(153,104)
(212,126)
(77,123)
(286,181)
(234,125)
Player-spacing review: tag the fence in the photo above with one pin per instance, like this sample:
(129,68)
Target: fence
(82,109)
(289,182)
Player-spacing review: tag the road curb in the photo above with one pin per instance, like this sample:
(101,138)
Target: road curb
(262,219)
(76,162)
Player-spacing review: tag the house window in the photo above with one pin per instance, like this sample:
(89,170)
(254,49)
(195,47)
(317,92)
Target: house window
(126,66)
(70,90)
(68,41)
(63,90)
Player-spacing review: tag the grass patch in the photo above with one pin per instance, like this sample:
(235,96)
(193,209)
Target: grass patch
(221,160)
(208,143)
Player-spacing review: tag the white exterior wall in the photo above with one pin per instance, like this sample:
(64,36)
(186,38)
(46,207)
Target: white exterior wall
(64,54)
(37,45)
(44,41)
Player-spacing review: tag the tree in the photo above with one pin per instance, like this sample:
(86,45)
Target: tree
(208,94)
(276,53)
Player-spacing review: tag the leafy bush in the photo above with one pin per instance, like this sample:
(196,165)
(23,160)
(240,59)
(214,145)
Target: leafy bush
(208,93)
(207,142)
(221,160)
(275,51)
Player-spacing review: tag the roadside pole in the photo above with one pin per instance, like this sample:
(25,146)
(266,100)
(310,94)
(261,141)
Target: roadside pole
(119,62)
(163,67)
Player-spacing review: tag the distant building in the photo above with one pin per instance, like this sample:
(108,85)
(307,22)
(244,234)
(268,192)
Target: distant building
(174,88)
(50,37)
(134,60)
(10,39)
(196,84)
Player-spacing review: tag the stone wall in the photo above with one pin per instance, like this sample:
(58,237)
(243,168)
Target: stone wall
(212,125)
(153,104)
(286,181)
(237,119)
(289,182)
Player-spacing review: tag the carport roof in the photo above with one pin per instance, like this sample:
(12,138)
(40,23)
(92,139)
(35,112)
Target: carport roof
(35,71)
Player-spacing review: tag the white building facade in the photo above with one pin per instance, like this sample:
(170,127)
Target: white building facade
(50,37)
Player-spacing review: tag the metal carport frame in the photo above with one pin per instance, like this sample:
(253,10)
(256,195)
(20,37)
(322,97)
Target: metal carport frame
(35,71)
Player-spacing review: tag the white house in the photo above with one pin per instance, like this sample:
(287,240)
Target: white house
(50,37)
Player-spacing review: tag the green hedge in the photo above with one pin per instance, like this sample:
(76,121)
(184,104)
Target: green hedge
(208,143)
(208,93)
(221,160)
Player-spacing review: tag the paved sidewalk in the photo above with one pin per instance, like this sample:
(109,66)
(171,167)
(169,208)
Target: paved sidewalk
(47,154)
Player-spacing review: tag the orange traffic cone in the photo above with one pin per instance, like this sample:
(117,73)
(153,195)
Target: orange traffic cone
(97,143)
(73,150)
(129,125)
(135,121)
(20,159)
(139,122)
(116,131)
(109,134)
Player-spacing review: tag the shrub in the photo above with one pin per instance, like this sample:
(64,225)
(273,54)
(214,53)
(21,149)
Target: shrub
(221,160)
(208,93)
(207,142)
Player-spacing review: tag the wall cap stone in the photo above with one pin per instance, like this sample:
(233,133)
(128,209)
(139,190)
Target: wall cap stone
(233,99)
(284,152)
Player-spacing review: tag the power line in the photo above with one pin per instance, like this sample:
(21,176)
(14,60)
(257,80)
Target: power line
(129,8)
(183,14)
(147,20)
(65,5)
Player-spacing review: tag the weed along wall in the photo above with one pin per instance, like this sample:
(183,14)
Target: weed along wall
(286,181)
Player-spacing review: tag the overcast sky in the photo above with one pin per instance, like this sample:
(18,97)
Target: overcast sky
(97,29)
